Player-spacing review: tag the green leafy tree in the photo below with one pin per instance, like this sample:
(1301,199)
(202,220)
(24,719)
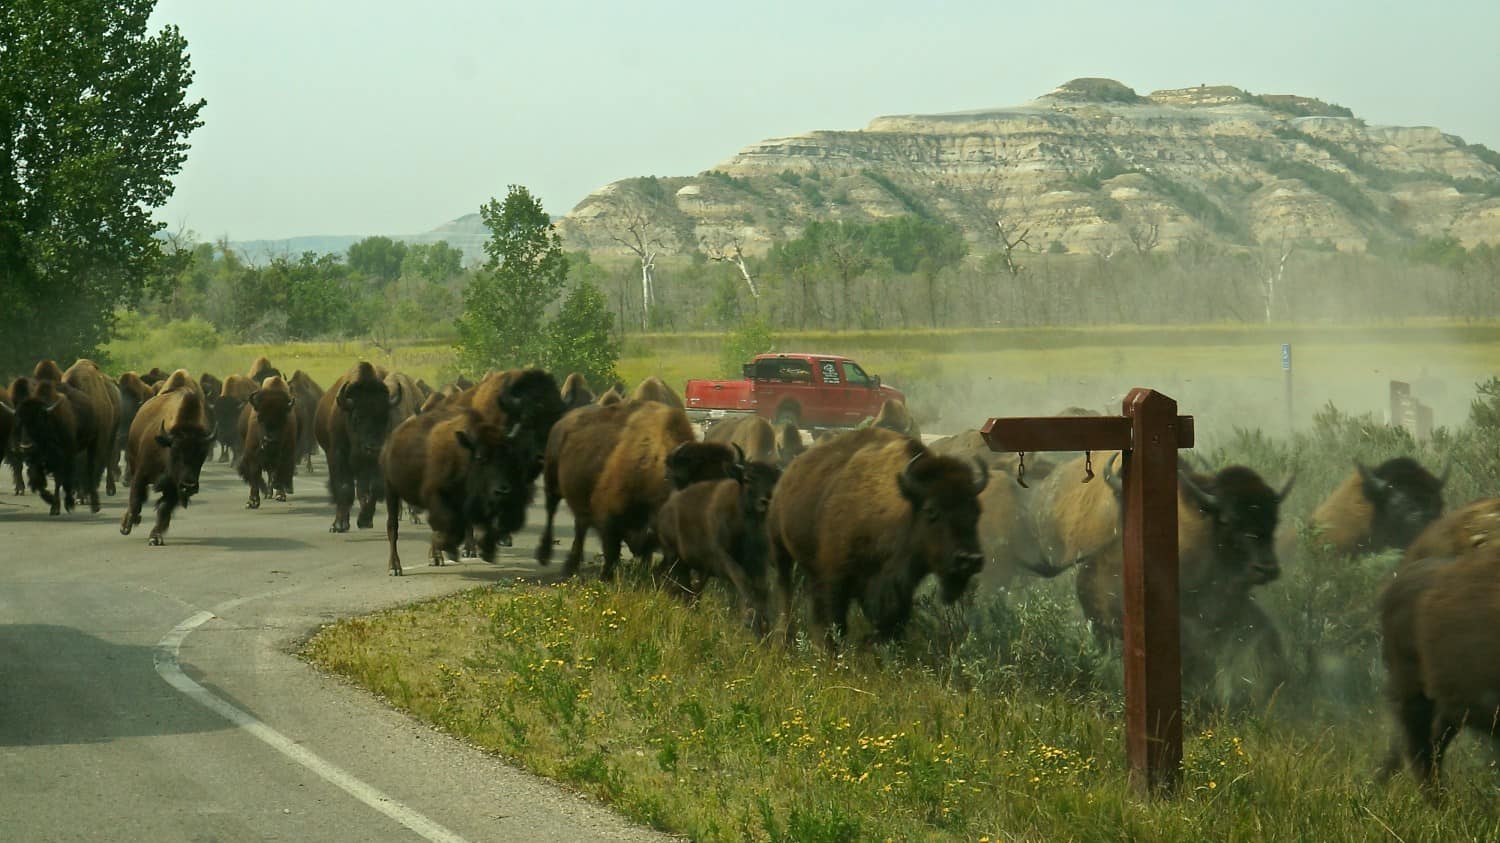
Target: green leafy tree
(503,322)
(94,120)
(754,336)
(377,257)
(579,338)
(432,261)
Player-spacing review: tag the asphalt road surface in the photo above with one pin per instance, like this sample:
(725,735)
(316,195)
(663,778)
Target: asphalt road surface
(150,693)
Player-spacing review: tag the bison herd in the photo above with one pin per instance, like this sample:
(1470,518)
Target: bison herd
(862,516)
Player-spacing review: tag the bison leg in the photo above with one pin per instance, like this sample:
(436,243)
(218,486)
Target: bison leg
(164,508)
(544,549)
(830,613)
(392,530)
(252,478)
(111,474)
(342,487)
(17,474)
(132,514)
(416,516)
(367,494)
(610,540)
(471,547)
(752,594)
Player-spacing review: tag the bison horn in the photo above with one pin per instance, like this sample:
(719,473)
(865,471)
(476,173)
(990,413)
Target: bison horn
(984,476)
(1374,486)
(396,396)
(1286,488)
(739,454)
(1205,501)
(53,405)
(515,430)
(1112,479)
(6,407)
(911,462)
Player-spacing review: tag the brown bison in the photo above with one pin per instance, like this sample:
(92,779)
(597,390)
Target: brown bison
(270,441)
(227,407)
(1225,527)
(867,517)
(155,377)
(47,370)
(57,435)
(614,395)
(576,392)
(655,389)
(133,395)
(467,474)
(611,464)
(526,397)
(1438,619)
(352,422)
(1471,526)
(893,415)
(262,369)
(307,394)
(169,440)
(7,431)
(104,397)
(717,528)
(759,439)
(1374,510)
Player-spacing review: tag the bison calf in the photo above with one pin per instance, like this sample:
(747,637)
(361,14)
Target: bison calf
(717,528)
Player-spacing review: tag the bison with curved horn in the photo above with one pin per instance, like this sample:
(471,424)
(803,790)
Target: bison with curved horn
(169,440)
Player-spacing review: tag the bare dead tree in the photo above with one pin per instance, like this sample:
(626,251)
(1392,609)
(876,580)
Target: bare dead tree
(637,230)
(728,250)
(1273,269)
(1144,232)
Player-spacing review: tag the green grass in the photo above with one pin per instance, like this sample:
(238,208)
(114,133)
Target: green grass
(678,718)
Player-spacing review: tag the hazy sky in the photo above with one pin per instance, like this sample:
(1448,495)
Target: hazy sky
(378,117)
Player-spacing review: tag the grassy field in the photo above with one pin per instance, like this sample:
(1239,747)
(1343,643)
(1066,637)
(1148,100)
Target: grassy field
(682,721)
(956,379)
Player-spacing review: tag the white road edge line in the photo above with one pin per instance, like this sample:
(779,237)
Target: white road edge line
(168,668)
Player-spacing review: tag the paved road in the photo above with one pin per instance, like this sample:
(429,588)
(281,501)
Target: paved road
(149,693)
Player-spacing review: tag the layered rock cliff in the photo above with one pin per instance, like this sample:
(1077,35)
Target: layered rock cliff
(1090,167)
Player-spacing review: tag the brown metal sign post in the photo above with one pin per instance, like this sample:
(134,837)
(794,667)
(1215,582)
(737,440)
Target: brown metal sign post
(1148,436)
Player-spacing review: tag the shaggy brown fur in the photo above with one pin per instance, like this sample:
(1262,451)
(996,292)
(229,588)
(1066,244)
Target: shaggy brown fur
(893,415)
(655,389)
(610,464)
(307,394)
(351,425)
(464,472)
(1438,619)
(752,434)
(56,436)
(1373,510)
(47,370)
(169,440)
(866,517)
(1225,527)
(133,393)
(614,395)
(104,399)
(261,369)
(227,407)
(576,392)
(1470,527)
(717,528)
(270,441)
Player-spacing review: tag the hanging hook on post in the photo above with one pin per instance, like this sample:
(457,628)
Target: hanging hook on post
(1021,470)
(1088,466)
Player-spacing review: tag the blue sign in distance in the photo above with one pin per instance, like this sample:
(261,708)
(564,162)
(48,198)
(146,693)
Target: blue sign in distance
(1286,356)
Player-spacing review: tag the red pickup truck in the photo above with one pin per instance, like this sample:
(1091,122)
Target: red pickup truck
(809,390)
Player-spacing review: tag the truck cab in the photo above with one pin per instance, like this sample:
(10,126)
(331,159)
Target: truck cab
(808,390)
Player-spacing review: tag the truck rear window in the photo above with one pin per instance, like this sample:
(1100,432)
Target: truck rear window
(776,369)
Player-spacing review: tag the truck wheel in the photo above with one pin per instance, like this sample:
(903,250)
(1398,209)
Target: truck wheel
(789,415)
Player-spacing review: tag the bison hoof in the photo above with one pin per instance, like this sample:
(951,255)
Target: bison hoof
(364,523)
(504,541)
(339,527)
(281,497)
(395,572)
(252,504)
(109,488)
(155,541)
(125,528)
(94,506)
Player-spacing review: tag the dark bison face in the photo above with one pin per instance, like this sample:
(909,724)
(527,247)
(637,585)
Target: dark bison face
(40,419)
(1406,498)
(944,497)
(187,448)
(693,462)
(225,415)
(497,487)
(1244,511)
(367,408)
(534,401)
(755,489)
(273,413)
